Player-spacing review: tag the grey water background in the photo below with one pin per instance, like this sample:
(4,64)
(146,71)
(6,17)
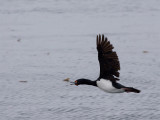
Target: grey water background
(44,42)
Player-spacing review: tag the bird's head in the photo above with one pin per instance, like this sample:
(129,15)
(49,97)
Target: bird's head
(84,81)
(79,81)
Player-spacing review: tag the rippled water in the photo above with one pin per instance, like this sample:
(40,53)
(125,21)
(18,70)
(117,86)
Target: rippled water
(44,42)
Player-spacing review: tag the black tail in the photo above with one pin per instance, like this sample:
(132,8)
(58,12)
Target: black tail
(131,89)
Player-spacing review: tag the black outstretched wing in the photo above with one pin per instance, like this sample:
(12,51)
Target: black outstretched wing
(108,59)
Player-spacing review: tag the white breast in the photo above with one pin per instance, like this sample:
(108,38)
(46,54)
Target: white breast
(106,85)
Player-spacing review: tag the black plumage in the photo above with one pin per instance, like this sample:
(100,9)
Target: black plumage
(108,59)
(109,69)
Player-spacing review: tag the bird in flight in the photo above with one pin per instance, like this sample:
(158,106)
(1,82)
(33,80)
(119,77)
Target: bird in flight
(109,70)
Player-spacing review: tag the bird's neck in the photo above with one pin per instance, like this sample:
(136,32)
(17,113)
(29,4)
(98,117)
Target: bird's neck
(88,82)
